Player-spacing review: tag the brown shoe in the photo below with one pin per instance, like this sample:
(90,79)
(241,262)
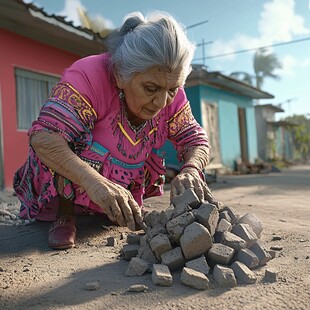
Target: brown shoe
(61,235)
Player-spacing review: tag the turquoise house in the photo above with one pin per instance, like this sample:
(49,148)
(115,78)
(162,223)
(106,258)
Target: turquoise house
(224,107)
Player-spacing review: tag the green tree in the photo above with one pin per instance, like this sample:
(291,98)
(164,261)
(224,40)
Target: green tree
(300,134)
(264,65)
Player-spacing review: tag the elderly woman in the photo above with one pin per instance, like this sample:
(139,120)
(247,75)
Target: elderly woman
(94,146)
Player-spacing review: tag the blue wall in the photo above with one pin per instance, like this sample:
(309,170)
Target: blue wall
(229,133)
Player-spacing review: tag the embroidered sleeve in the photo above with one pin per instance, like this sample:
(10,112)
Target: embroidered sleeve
(185,132)
(66,111)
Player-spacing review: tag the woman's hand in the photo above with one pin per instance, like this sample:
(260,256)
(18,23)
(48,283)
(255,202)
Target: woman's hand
(190,178)
(117,202)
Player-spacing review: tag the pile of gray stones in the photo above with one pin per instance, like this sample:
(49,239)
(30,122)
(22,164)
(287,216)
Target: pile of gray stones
(202,241)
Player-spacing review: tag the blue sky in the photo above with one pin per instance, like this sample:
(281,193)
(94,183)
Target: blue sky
(233,25)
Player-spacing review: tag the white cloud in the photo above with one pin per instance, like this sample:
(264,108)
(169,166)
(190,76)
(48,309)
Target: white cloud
(70,10)
(279,22)
(289,64)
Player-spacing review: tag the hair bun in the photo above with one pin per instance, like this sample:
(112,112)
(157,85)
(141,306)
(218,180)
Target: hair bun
(130,24)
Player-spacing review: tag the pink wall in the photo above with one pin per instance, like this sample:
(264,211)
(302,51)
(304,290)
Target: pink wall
(18,51)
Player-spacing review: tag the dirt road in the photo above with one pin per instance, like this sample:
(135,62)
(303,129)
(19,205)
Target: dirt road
(34,277)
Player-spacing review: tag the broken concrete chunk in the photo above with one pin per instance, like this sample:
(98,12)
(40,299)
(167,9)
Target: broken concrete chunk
(242,273)
(199,264)
(137,267)
(245,232)
(160,244)
(152,219)
(232,214)
(224,276)
(92,286)
(133,238)
(248,258)
(207,215)
(253,221)
(224,215)
(270,275)
(176,226)
(137,288)
(130,250)
(220,254)
(261,252)
(233,241)
(145,252)
(161,275)
(111,241)
(195,241)
(187,198)
(174,258)
(194,279)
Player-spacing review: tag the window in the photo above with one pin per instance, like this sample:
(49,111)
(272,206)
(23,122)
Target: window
(32,90)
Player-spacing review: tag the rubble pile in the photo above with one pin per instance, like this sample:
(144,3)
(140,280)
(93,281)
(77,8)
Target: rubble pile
(200,240)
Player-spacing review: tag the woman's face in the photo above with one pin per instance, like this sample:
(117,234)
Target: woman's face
(149,92)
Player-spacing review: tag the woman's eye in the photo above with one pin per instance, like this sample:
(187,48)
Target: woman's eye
(150,90)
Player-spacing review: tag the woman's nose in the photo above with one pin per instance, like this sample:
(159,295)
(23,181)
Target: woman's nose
(161,100)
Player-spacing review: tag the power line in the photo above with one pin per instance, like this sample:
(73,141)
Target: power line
(253,49)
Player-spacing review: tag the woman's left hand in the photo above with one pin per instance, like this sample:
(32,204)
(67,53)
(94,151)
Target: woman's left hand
(190,178)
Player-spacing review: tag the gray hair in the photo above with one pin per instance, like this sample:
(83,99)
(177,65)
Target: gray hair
(145,42)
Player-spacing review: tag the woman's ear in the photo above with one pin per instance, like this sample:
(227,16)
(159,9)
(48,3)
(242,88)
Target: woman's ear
(119,81)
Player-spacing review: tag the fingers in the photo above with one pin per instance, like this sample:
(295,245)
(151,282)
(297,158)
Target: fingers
(116,213)
(136,211)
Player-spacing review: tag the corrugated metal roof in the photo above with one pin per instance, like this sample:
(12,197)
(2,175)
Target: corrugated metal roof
(269,106)
(28,20)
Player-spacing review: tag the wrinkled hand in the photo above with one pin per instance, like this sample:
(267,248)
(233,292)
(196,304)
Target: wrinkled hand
(190,178)
(117,202)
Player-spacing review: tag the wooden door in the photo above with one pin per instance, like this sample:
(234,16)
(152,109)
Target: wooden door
(209,114)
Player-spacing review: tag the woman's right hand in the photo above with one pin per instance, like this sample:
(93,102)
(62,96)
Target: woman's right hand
(116,201)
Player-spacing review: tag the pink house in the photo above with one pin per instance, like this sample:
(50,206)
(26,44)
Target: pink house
(35,48)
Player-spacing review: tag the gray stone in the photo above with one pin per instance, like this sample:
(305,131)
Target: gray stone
(161,275)
(145,252)
(152,219)
(248,258)
(176,226)
(199,264)
(232,214)
(129,251)
(160,244)
(224,215)
(194,279)
(245,232)
(133,238)
(92,286)
(137,288)
(207,215)
(220,254)
(270,275)
(254,222)
(174,258)
(233,241)
(187,198)
(137,267)
(195,241)
(224,276)
(242,273)
(261,252)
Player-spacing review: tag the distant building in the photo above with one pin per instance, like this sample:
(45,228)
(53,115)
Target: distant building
(224,107)
(35,49)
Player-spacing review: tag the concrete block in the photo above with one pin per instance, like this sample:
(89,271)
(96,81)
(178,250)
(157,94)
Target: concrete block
(174,259)
(199,264)
(176,226)
(224,276)
(253,221)
(207,215)
(160,244)
(154,231)
(194,279)
(129,251)
(248,258)
(161,275)
(145,252)
(245,232)
(188,197)
(137,267)
(233,241)
(220,254)
(152,219)
(270,275)
(224,215)
(196,240)
(261,252)
(223,226)
(242,273)
(133,238)
(232,214)
(166,216)
(180,210)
